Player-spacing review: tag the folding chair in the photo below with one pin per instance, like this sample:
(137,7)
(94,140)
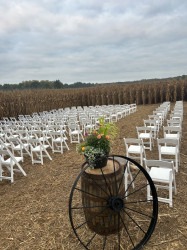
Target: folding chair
(75,133)
(145,133)
(157,119)
(151,123)
(10,162)
(38,151)
(42,136)
(18,146)
(163,176)
(134,149)
(172,132)
(86,126)
(170,148)
(174,123)
(58,141)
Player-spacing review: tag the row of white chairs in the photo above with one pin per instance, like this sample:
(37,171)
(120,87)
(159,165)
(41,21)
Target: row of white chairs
(168,145)
(78,121)
(35,135)
(163,171)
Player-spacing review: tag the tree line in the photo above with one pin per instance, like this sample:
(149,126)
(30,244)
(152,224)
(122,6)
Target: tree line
(43,84)
(57,84)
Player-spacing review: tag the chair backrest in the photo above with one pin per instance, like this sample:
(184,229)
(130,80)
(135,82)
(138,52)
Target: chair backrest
(133,141)
(174,123)
(144,129)
(73,126)
(159,163)
(172,130)
(150,122)
(55,134)
(168,142)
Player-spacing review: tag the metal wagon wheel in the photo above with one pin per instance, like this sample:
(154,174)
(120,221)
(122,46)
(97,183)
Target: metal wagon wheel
(110,214)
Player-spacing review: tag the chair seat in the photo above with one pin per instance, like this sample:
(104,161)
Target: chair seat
(168,150)
(61,131)
(59,139)
(18,147)
(172,136)
(75,132)
(25,138)
(144,135)
(15,136)
(134,149)
(160,174)
(38,148)
(89,126)
(7,144)
(8,161)
(42,139)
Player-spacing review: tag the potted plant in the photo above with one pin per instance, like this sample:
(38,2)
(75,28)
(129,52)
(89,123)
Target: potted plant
(96,146)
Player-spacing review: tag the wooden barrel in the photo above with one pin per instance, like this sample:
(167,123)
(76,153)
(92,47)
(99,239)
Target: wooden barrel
(100,190)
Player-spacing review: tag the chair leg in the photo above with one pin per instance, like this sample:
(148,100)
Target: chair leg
(32,157)
(126,183)
(141,160)
(1,173)
(66,145)
(176,163)
(130,175)
(148,193)
(170,194)
(41,156)
(12,173)
(48,154)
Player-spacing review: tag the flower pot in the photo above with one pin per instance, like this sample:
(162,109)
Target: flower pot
(98,162)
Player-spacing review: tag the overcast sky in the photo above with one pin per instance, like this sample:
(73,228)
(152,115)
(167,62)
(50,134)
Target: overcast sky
(92,40)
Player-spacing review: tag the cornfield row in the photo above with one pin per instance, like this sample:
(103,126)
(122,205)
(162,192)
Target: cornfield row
(14,103)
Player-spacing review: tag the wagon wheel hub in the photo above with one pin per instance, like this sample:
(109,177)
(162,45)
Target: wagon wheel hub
(116,203)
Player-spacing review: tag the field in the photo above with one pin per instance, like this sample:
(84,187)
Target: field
(25,102)
(34,209)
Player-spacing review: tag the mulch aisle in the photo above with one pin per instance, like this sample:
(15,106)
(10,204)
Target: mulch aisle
(34,209)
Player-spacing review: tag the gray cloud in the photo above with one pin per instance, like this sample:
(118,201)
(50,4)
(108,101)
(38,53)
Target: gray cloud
(92,41)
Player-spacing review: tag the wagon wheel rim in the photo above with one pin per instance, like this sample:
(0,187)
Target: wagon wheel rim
(130,210)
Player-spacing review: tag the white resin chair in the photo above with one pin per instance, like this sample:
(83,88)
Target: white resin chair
(127,173)
(145,133)
(75,133)
(42,136)
(169,148)
(174,123)
(157,119)
(18,147)
(151,123)
(58,141)
(135,149)
(163,175)
(172,132)
(10,162)
(38,150)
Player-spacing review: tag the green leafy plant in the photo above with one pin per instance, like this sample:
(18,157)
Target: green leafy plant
(98,143)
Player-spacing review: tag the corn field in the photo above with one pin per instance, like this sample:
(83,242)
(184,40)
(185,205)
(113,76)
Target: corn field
(22,102)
